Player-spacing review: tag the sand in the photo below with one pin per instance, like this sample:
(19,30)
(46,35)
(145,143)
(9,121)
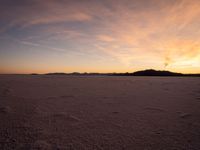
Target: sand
(99,113)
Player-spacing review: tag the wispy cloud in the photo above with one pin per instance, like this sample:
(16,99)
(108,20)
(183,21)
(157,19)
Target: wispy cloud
(163,33)
(41,46)
(105,38)
(26,13)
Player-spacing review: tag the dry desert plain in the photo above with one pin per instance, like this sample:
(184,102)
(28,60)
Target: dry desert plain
(41,112)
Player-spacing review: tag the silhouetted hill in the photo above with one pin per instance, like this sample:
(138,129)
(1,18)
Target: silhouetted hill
(152,72)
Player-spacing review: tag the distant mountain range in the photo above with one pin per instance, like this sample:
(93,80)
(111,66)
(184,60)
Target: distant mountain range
(148,72)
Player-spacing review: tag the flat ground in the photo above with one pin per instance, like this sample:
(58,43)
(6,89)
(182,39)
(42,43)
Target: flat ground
(99,113)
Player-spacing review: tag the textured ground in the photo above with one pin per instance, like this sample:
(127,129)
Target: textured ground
(99,113)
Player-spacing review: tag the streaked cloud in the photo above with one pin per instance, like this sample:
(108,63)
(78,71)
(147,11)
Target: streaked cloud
(148,33)
(105,38)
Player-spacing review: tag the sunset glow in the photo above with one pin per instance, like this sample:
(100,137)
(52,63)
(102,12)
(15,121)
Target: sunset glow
(99,35)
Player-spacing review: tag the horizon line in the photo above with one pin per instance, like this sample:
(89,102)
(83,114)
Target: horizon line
(100,73)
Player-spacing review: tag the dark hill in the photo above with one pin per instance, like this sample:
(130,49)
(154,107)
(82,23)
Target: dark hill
(152,72)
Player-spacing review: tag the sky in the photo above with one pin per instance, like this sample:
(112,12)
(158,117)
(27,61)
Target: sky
(40,36)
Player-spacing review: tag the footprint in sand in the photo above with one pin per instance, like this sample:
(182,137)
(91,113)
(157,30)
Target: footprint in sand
(51,97)
(67,96)
(166,89)
(185,115)
(158,131)
(5,109)
(6,91)
(41,145)
(115,112)
(61,147)
(154,109)
(66,117)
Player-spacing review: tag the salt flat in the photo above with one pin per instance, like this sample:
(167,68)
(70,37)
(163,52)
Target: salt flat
(101,113)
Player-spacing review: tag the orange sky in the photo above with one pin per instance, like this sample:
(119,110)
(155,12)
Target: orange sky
(99,36)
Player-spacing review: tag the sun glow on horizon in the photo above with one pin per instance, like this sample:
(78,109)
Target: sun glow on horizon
(99,36)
